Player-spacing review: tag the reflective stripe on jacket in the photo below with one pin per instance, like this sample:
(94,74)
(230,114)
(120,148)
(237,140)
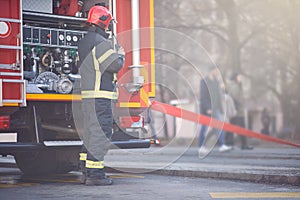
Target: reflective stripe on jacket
(99,63)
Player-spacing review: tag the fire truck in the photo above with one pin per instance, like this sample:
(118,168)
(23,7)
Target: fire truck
(40,86)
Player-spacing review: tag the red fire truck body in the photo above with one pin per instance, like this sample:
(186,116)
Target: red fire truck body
(40,84)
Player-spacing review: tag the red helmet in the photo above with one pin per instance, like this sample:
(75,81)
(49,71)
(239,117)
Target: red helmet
(100,16)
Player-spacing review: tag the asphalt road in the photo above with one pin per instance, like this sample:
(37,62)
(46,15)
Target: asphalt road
(13,185)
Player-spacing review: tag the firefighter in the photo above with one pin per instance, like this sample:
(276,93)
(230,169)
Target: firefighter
(99,65)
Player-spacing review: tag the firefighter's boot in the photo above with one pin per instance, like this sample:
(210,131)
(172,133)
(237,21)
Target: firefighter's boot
(97,177)
(95,174)
(82,168)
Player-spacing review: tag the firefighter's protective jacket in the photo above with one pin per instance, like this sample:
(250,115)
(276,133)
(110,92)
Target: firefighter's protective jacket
(98,64)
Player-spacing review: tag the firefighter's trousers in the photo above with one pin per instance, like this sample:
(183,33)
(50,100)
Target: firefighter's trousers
(98,121)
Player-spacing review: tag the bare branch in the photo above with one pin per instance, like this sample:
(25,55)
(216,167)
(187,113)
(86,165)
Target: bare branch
(214,29)
(276,93)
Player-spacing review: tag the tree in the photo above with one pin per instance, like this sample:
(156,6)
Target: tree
(259,38)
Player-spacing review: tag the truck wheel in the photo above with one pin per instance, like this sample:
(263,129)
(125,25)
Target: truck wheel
(47,162)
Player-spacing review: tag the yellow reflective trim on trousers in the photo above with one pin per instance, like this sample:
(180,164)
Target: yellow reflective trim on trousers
(83,156)
(94,164)
(97,70)
(108,53)
(90,94)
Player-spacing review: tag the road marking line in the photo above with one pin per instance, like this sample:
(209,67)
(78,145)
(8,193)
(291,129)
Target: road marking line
(255,195)
(2,186)
(58,179)
(6,186)
(125,176)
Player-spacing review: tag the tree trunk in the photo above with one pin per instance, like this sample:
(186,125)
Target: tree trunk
(234,59)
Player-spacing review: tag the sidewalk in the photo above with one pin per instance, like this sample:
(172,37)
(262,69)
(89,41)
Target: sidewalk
(276,164)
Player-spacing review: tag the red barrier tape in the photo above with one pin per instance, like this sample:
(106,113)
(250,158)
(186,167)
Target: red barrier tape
(208,121)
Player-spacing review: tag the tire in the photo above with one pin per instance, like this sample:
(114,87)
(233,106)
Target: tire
(47,162)
(44,161)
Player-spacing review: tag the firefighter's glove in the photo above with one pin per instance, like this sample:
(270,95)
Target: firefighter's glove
(121,51)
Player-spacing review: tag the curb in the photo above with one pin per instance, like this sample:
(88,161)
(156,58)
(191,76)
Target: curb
(282,179)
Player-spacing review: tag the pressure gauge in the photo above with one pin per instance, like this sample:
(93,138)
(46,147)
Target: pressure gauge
(75,38)
(69,38)
(61,37)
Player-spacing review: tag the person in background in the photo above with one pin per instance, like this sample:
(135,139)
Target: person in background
(230,112)
(235,89)
(211,105)
(266,121)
